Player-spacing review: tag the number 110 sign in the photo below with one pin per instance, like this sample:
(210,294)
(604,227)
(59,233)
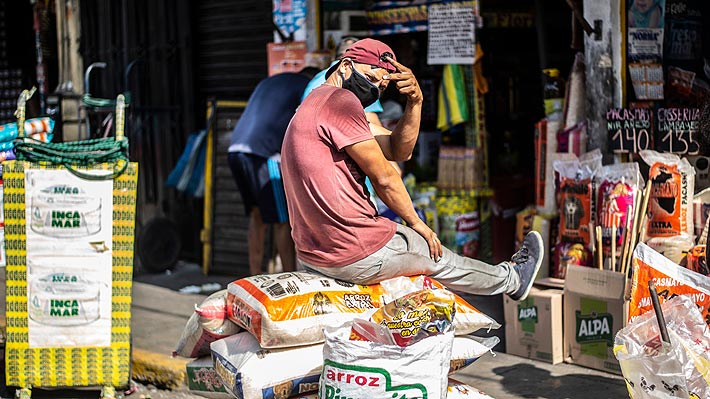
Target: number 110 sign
(629,129)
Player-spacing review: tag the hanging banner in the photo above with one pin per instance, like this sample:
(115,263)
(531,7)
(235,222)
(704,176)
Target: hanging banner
(290,19)
(390,17)
(68,259)
(451,34)
(645,48)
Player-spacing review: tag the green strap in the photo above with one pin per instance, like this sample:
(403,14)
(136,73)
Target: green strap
(86,153)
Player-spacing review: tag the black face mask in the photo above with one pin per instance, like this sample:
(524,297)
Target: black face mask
(363,89)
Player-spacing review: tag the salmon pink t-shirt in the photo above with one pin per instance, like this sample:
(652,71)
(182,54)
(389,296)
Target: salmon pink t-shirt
(333,221)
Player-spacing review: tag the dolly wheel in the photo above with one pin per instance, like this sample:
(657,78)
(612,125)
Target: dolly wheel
(108,393)
(24,393)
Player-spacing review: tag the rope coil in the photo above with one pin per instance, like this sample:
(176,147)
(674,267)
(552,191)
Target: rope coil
(85,153)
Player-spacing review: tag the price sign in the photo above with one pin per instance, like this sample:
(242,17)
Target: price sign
(677,129)
(630,130)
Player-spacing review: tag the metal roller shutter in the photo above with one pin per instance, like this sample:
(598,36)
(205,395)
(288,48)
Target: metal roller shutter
(231,60)
(231,55)
(225,234)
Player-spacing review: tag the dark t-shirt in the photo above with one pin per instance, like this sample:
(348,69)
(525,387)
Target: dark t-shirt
(332,219)
(262,126)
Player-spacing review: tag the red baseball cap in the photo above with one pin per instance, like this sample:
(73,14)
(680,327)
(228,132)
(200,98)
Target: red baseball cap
(370,52)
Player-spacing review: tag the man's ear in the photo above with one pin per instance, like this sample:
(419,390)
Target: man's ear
(345,68)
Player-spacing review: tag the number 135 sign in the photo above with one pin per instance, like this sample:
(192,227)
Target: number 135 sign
(677,129)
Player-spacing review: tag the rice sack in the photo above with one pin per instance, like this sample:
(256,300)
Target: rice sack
(241,365)
(670,208)
(576,197)
(207,324)
(618,186)
(360,369)
(291,309)
(671,280)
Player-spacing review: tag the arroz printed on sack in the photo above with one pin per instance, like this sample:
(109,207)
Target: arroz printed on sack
(361,369)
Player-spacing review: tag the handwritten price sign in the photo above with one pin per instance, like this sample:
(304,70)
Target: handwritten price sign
(630,130)
(677,129)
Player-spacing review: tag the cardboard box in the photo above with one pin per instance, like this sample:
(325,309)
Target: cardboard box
(533,327)
(203,380)
(594,313)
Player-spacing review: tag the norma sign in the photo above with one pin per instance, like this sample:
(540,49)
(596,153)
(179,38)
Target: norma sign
(630,129)
(676,130)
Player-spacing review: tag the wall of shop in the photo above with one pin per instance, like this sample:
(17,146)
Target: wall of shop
(603,54)
(151,59)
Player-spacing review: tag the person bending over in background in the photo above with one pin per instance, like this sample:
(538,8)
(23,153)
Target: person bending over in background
(326,154)
(254,159)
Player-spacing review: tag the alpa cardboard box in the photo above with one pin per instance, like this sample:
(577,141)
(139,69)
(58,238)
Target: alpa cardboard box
(203,380)
(533,327)
(594,313)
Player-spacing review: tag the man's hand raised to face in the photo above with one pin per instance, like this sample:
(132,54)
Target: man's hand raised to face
(405,80)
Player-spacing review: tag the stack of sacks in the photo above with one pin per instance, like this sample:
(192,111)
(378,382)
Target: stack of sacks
(284,317)
(40,129)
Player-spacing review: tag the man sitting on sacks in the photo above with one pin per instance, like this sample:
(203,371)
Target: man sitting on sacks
(328,150)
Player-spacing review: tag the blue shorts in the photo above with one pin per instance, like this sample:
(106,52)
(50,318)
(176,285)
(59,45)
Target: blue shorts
(259,182)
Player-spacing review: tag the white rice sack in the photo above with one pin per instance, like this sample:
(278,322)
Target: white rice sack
(360,369)
(240,363)
(459,390)
(467,349)
(208,324)
(291,309)
(249,372)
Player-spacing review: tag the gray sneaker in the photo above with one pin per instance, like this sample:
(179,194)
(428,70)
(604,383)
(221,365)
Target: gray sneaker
(527,263)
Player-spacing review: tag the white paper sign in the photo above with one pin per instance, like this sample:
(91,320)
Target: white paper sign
(451,34)
(69,240)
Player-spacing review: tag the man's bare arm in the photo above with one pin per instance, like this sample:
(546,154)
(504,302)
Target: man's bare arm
(404,136)
(373,118)
(390,189)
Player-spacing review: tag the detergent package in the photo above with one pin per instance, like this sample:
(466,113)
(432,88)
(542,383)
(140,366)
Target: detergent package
(618,186)
(576,197)
(670,208)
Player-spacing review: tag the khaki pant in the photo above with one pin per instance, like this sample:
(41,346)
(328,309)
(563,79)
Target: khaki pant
(407,254)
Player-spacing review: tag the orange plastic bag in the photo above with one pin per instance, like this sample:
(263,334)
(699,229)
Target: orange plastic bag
(671,280)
